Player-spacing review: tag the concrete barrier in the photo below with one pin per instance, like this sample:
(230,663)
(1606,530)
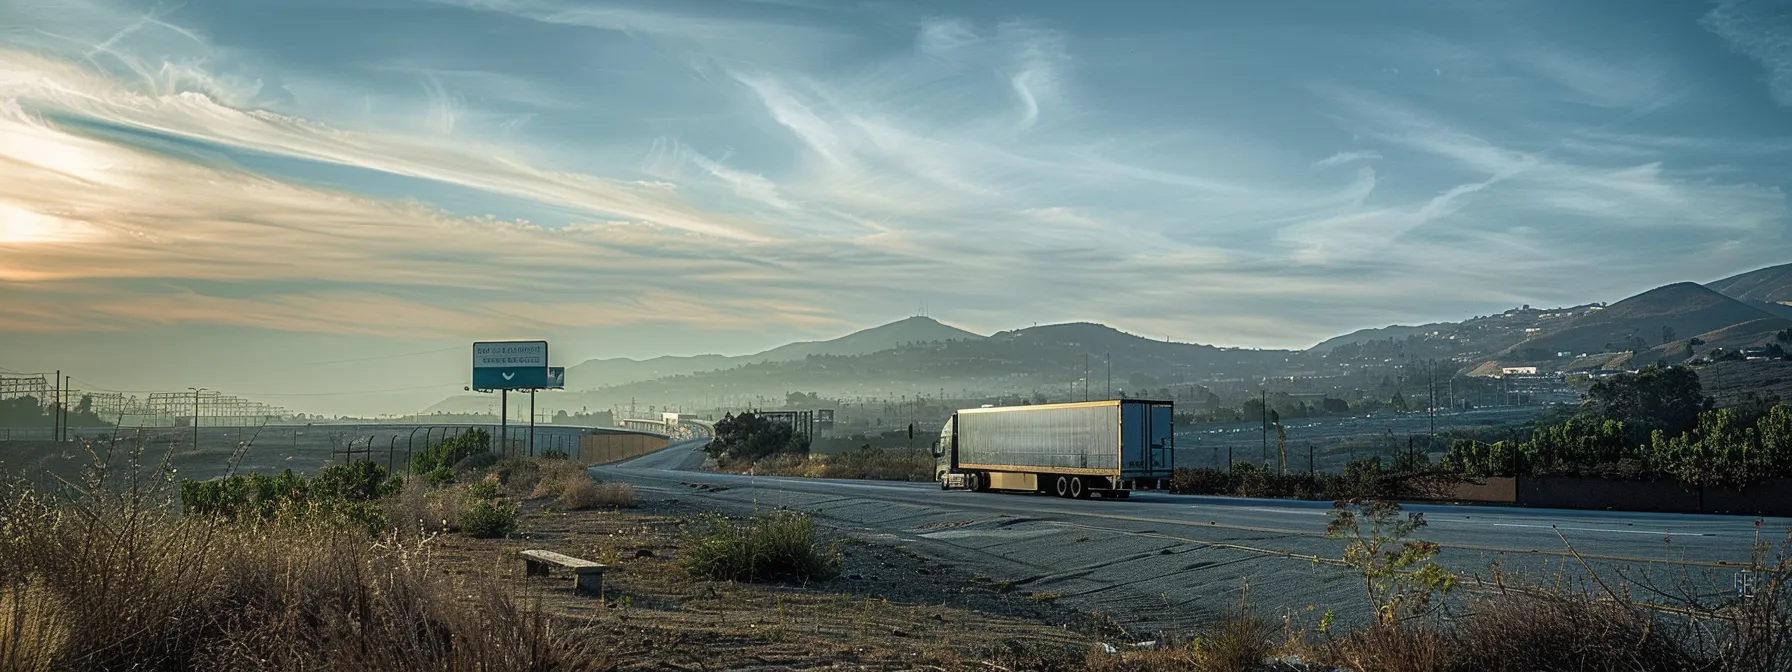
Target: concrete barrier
(1492,490)
(1575,492)
(614,447)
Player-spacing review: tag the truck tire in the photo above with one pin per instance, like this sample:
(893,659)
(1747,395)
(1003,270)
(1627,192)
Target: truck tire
(1063,487)
(973,482)
(1077,491)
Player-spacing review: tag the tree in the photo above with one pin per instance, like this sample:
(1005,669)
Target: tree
(1398,574)
(1335,406)
(1667,399)
(749,436)
(1398,403)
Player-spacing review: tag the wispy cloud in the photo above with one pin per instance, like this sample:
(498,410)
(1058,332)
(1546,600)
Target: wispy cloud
(1342,158)
(797,168)
(1760,30)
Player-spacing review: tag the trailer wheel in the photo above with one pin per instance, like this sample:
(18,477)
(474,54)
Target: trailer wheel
(1063,487)
(1076,489)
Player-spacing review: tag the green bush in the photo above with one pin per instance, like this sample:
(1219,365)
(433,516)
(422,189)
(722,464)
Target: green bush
(439,476)
(489,519)
(450,451)
(342,494)
(484,490)
(555,455)
(776,547)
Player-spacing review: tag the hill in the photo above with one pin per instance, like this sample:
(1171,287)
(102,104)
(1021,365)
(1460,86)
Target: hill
(618,371)
(1395,331)
(875,339)
(1767,285)
(1050,360)
(1658,316)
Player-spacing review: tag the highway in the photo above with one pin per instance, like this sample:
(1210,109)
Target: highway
(1160,562)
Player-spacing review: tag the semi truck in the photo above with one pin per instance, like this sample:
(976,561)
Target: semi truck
(1077,450)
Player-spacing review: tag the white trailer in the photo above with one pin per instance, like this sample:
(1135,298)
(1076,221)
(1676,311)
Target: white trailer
(1108,448)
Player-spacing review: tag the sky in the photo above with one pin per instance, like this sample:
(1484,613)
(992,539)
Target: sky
(320,204)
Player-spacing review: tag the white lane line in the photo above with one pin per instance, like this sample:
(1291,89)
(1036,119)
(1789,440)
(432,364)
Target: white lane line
(1595,529)
(1304,513)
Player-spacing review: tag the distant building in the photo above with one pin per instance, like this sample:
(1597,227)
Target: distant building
(1518,370)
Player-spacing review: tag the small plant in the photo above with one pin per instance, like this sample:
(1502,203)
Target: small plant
(484,490)
(489,519)
(585,493)
(776,547)
(555,455)
(1240,642)
(1397,572)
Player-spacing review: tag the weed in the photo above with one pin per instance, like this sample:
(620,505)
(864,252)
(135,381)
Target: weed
(489,519)
(775,547)
(585,494)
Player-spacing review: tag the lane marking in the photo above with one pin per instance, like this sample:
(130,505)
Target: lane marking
(1595,529)
(1270,510)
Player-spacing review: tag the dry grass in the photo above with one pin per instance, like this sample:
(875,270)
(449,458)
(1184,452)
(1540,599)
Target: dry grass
(585,494)
(555,475)
(98,579)
(1548,631)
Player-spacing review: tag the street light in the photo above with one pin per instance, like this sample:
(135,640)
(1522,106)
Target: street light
(196,391)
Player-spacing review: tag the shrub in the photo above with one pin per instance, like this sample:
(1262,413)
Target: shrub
(555,455)
(476,462)
(339,494)
(588,494)
(1240,642)
(489,519)
(450,451)
(1200,481)
(775,547)
(484,490)
(556,475)
(439,476)
(1519,632)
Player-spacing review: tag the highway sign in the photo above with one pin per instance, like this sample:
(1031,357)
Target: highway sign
(556,378)
(510,365)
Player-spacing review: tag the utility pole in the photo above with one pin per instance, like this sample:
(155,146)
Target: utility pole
(1431,439)
(1263,408)
(1108,360)
(196,391)
(503,422)
(531,423)
(67,393)
(1085,376)
(56,409)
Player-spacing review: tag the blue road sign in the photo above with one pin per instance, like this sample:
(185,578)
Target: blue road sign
(510,365)
(510,378)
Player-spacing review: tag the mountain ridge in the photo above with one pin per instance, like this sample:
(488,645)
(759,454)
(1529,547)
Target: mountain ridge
(622,370)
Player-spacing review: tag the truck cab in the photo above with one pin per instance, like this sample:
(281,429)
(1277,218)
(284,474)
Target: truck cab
(944,452)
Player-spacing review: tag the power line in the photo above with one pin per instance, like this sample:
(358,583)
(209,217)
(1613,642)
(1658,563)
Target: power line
(404,354)
(96,388)
(338,394)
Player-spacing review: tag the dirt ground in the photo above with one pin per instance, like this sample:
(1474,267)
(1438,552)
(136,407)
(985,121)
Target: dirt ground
(887,610)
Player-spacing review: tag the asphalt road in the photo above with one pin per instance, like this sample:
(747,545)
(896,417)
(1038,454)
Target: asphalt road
(1161,562)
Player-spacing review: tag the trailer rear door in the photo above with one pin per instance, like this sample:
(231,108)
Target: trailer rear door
(1145,431)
